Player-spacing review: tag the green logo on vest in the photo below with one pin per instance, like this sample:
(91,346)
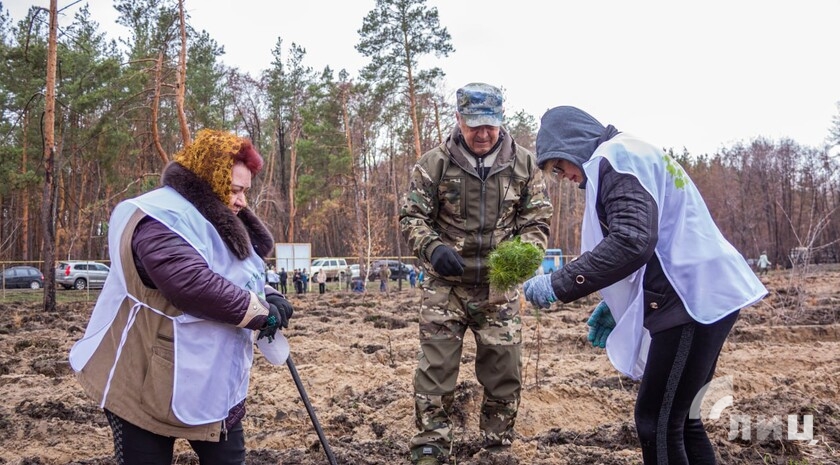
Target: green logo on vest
(676,171)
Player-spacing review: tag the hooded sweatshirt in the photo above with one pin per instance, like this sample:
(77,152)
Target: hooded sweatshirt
(681,218)
(571,134)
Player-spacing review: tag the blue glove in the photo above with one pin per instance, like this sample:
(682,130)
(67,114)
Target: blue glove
(601,323)
(539,292)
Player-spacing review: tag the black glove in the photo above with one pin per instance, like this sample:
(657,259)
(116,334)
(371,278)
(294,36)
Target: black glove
(284,308)
(447,262)
(279,312)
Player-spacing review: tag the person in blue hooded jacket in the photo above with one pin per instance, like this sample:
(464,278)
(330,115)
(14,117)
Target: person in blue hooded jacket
(672,285)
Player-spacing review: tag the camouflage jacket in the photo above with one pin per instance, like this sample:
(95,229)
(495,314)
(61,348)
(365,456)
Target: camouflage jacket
(448,203)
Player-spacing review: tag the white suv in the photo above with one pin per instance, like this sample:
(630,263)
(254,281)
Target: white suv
(81,275)
(335,268)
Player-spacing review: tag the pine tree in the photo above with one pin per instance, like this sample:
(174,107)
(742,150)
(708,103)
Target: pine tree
(395,35)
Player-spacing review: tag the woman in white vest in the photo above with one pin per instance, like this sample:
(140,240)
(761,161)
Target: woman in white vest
(672,285)
(168,349)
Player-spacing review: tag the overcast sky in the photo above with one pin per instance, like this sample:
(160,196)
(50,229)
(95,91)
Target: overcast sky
(699,75)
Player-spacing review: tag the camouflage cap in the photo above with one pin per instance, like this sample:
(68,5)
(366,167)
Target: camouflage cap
(480,104)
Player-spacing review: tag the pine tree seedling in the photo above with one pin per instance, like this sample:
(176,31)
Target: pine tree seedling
(512,262)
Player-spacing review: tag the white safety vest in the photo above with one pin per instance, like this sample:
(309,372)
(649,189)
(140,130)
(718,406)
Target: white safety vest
(212,359)
(711,278)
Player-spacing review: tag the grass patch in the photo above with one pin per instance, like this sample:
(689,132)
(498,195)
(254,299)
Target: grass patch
(31,296)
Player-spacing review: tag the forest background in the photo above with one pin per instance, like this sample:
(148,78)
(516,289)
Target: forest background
(338,147)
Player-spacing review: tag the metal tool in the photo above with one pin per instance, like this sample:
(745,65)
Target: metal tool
(310,410)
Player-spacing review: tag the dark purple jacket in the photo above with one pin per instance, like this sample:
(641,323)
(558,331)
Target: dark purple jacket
(166,262)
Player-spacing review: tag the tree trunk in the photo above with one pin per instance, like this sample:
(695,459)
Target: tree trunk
(437,122)
(281,168)
(181,88)
(292,182)
(49,163)
(395,210)
(25,214)
(413,109)
(354,173)
(155,107)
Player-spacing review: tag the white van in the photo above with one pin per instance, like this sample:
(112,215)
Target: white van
(335,268)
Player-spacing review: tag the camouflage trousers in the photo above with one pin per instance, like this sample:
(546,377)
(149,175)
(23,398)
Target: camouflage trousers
(446,312)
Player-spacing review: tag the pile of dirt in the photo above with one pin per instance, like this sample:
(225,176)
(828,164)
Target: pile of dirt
(356,355)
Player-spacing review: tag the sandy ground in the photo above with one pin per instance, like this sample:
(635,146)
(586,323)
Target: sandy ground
(356,356)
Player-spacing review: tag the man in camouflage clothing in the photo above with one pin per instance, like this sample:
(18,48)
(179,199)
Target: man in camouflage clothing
(475,190)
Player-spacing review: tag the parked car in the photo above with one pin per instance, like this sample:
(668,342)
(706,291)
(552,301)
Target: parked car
(81,275)
(355,271)
(335,268)
(552,261)
(25,277)
(399,270)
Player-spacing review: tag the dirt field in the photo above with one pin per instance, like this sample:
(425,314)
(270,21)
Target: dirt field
(356,356)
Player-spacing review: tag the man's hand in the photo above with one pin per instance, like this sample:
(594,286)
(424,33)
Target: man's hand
(447,262)
(539,292)
(601,323)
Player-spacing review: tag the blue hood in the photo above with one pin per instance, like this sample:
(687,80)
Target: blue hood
(571,134)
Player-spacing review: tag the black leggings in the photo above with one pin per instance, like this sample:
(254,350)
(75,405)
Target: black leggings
(136,446)
(680,362)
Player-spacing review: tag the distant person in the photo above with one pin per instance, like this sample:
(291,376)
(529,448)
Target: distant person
(763,263)
(297,282)
(284,277)
(272,277)
(354,273)
(168,349)
(670,281)
(304,281)
(322,281)
(357,284)
(384,276)
(412,277)
(473,191)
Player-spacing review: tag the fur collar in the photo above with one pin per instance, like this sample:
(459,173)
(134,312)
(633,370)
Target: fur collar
(238,231)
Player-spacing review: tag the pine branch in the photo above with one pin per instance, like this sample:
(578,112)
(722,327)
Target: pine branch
(512,262)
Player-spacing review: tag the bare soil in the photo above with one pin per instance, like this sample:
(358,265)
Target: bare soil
(356,356)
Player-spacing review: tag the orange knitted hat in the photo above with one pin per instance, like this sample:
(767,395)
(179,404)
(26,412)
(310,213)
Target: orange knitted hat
(210,157)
